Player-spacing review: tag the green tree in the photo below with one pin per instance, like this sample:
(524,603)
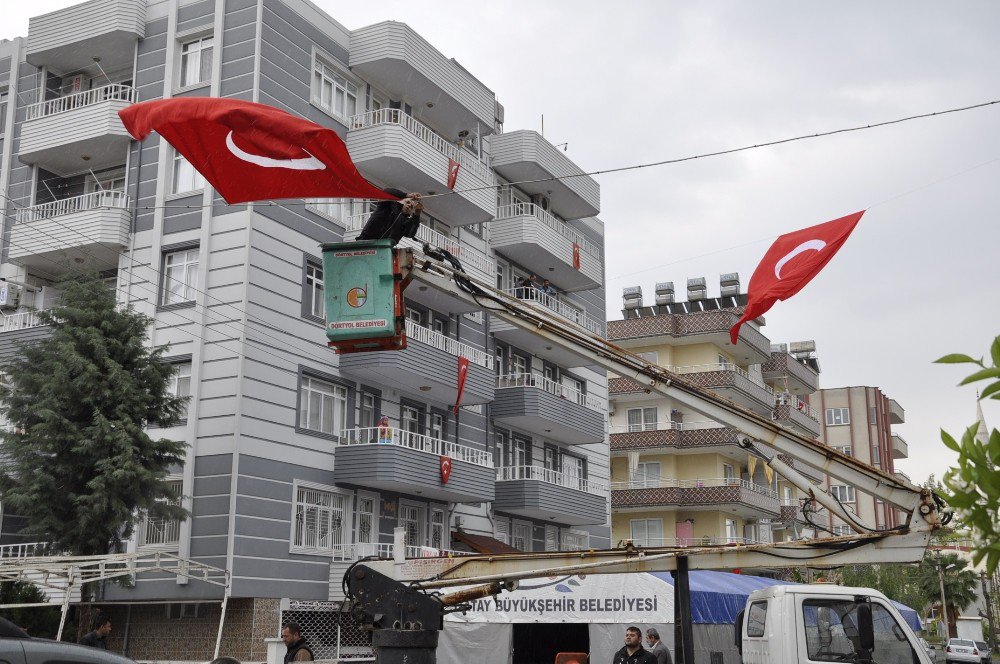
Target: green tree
(40,621)
(960,584)
(80,465)
(974,484)
(897,582)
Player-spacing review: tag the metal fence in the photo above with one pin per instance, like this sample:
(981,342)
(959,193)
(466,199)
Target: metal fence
(333,636)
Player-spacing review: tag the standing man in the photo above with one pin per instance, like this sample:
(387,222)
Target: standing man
(633,652)
(98,638)
(394,219)
(298,649)
(657,647)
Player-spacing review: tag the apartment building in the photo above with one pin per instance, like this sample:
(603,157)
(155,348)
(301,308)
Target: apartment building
(284,485)
(858,422)
(677,477)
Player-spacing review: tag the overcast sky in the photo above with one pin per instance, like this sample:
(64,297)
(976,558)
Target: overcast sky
(634,82)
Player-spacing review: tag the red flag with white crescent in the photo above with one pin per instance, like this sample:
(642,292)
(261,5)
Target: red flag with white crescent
(252,152)
(453,167)
(791,263)
(463,371)
(445,462)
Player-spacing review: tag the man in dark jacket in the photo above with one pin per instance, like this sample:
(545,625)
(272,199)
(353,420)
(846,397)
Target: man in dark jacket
(633,652)
(298,649)
(394,219)
(98,638)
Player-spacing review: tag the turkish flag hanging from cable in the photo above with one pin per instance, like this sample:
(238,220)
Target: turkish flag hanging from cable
(252,152)
(463,371)
(791,263)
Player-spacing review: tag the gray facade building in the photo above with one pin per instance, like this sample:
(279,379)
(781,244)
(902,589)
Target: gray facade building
(285,477)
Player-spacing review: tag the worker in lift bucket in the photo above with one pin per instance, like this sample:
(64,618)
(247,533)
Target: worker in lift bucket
(394,219)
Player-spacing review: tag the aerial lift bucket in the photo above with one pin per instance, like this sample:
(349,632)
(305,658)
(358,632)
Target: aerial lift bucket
(362,289)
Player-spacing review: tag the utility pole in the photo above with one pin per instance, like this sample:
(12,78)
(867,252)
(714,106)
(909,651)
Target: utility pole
(944,604)
(989,613)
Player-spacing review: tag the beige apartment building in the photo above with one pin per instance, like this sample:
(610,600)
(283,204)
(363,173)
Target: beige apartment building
(677,478)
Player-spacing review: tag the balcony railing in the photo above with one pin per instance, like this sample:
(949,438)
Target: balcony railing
(532,294)
(160,532)
(347,552)
(114,92)
(415,441)
(521,209)
(395,116)
(672,483)
(95,200)
(511,473)
(666,426)
(789,399)
(23,550)
(757,385)
(22,320)
(689,541)
(552,387)
(448,345)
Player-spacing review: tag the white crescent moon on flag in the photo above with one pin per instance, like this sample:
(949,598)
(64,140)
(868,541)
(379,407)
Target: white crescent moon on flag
(813,245)
(309,163)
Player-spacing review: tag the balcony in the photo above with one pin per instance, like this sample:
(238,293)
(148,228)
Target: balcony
(72,233)
(20,328)
(72,39)
(693,328)
(525,155)
(800,378)
(544,407)
(537,345)
(409,463)
(900,450)
(731,382)
(540,493)
(547,246)
(475,263)
(791,411)
(896,414)
(428,367)
(394,58)
(697,437)
(741,497)
(392,147)
(81,131)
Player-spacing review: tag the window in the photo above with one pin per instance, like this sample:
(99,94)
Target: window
(180,384)
(415,315)
(315,304)
(731,535)
(575,541)
(184,176)
(180,274)
(336,209)
(437,538)
(367,526)
(518,364)
(551,538)
(647,532)
(196,61)
(574,474)
(551,460)
(322,406)
(837,416)
(319,518)
(641,419)
(842,492)
(437,426)
(647,474)
(440,325)
(368,413)
(835,635)
(842,530)
(4,97)
(108,181)
(729,474)
(411,520)
(511,452)
(410,419)
(876,457)
(501,529)
(332,91)
(845,449)
(521,536)
(157,531)
(756,619)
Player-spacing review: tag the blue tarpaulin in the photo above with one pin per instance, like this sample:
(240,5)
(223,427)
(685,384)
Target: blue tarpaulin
(716,597)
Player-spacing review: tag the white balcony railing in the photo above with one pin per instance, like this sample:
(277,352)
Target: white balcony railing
(415,441)
(114,92)
(511,473)
(23,550)
(159,532)
(96,200)
(671,483)
(395,116)
(348,552)
(448,345)
(789,399)
(666,426)
(22,320)
(521,209)
(552,387)
(532,294)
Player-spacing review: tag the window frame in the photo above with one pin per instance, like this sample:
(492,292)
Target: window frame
(422,521)
(832,416)
(183,361)
(322,59)
(347,518)
(197,37)
(757,633)
(309,291)
(515,525)
(198,181)
(844,493)
(172,250)
(141,531)
(643,424)
(312,374)
(645,525)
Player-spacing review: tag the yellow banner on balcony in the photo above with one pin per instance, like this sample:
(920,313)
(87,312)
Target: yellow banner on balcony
(751,465)
(768,473)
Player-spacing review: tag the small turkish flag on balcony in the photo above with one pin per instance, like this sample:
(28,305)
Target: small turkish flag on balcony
(453,167)
(576,255)
(252,152)
(463,371)
(445,468)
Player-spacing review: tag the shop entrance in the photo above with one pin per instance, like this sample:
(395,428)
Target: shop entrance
(538,643)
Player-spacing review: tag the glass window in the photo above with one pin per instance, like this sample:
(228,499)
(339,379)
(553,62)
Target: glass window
(185,177)
(411,519)
(574,541)
(410,419)
(647,474)
(4,97)
(842,492)
(437,531)
(837,416)
(154,531)
(196,61)
(437,426)
(180,275)
(333,91)
(641,419)
(323,406)
(501,530)
(521,536)
(315,302)
(756,619)
(551,460)
(319,518)
(551,538)
(415,315)
(731,535)
(180,384)
(832,633)
(367,417)
(337,209)
(647,532)
(842,530)
(573,472)
(518,364)
(367,525)
(846,449)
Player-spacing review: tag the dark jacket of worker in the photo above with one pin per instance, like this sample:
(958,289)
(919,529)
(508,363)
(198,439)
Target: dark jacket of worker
(389,221)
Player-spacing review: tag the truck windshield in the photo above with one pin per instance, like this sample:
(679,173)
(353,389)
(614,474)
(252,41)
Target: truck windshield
(832,635)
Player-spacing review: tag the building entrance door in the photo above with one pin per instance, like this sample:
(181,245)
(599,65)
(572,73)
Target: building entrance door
(538,643)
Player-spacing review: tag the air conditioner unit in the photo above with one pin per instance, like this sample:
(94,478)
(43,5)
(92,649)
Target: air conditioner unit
(10,296)
(75,84)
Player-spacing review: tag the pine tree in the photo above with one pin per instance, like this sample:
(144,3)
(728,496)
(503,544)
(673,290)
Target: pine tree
(80,465)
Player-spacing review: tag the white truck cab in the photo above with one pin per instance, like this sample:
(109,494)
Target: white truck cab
(824,623)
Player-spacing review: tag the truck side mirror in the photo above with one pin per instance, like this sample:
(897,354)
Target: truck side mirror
(739,631)
(866,628)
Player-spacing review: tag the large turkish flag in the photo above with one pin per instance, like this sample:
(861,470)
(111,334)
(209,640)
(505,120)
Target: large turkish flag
(252,152)
(791,263)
